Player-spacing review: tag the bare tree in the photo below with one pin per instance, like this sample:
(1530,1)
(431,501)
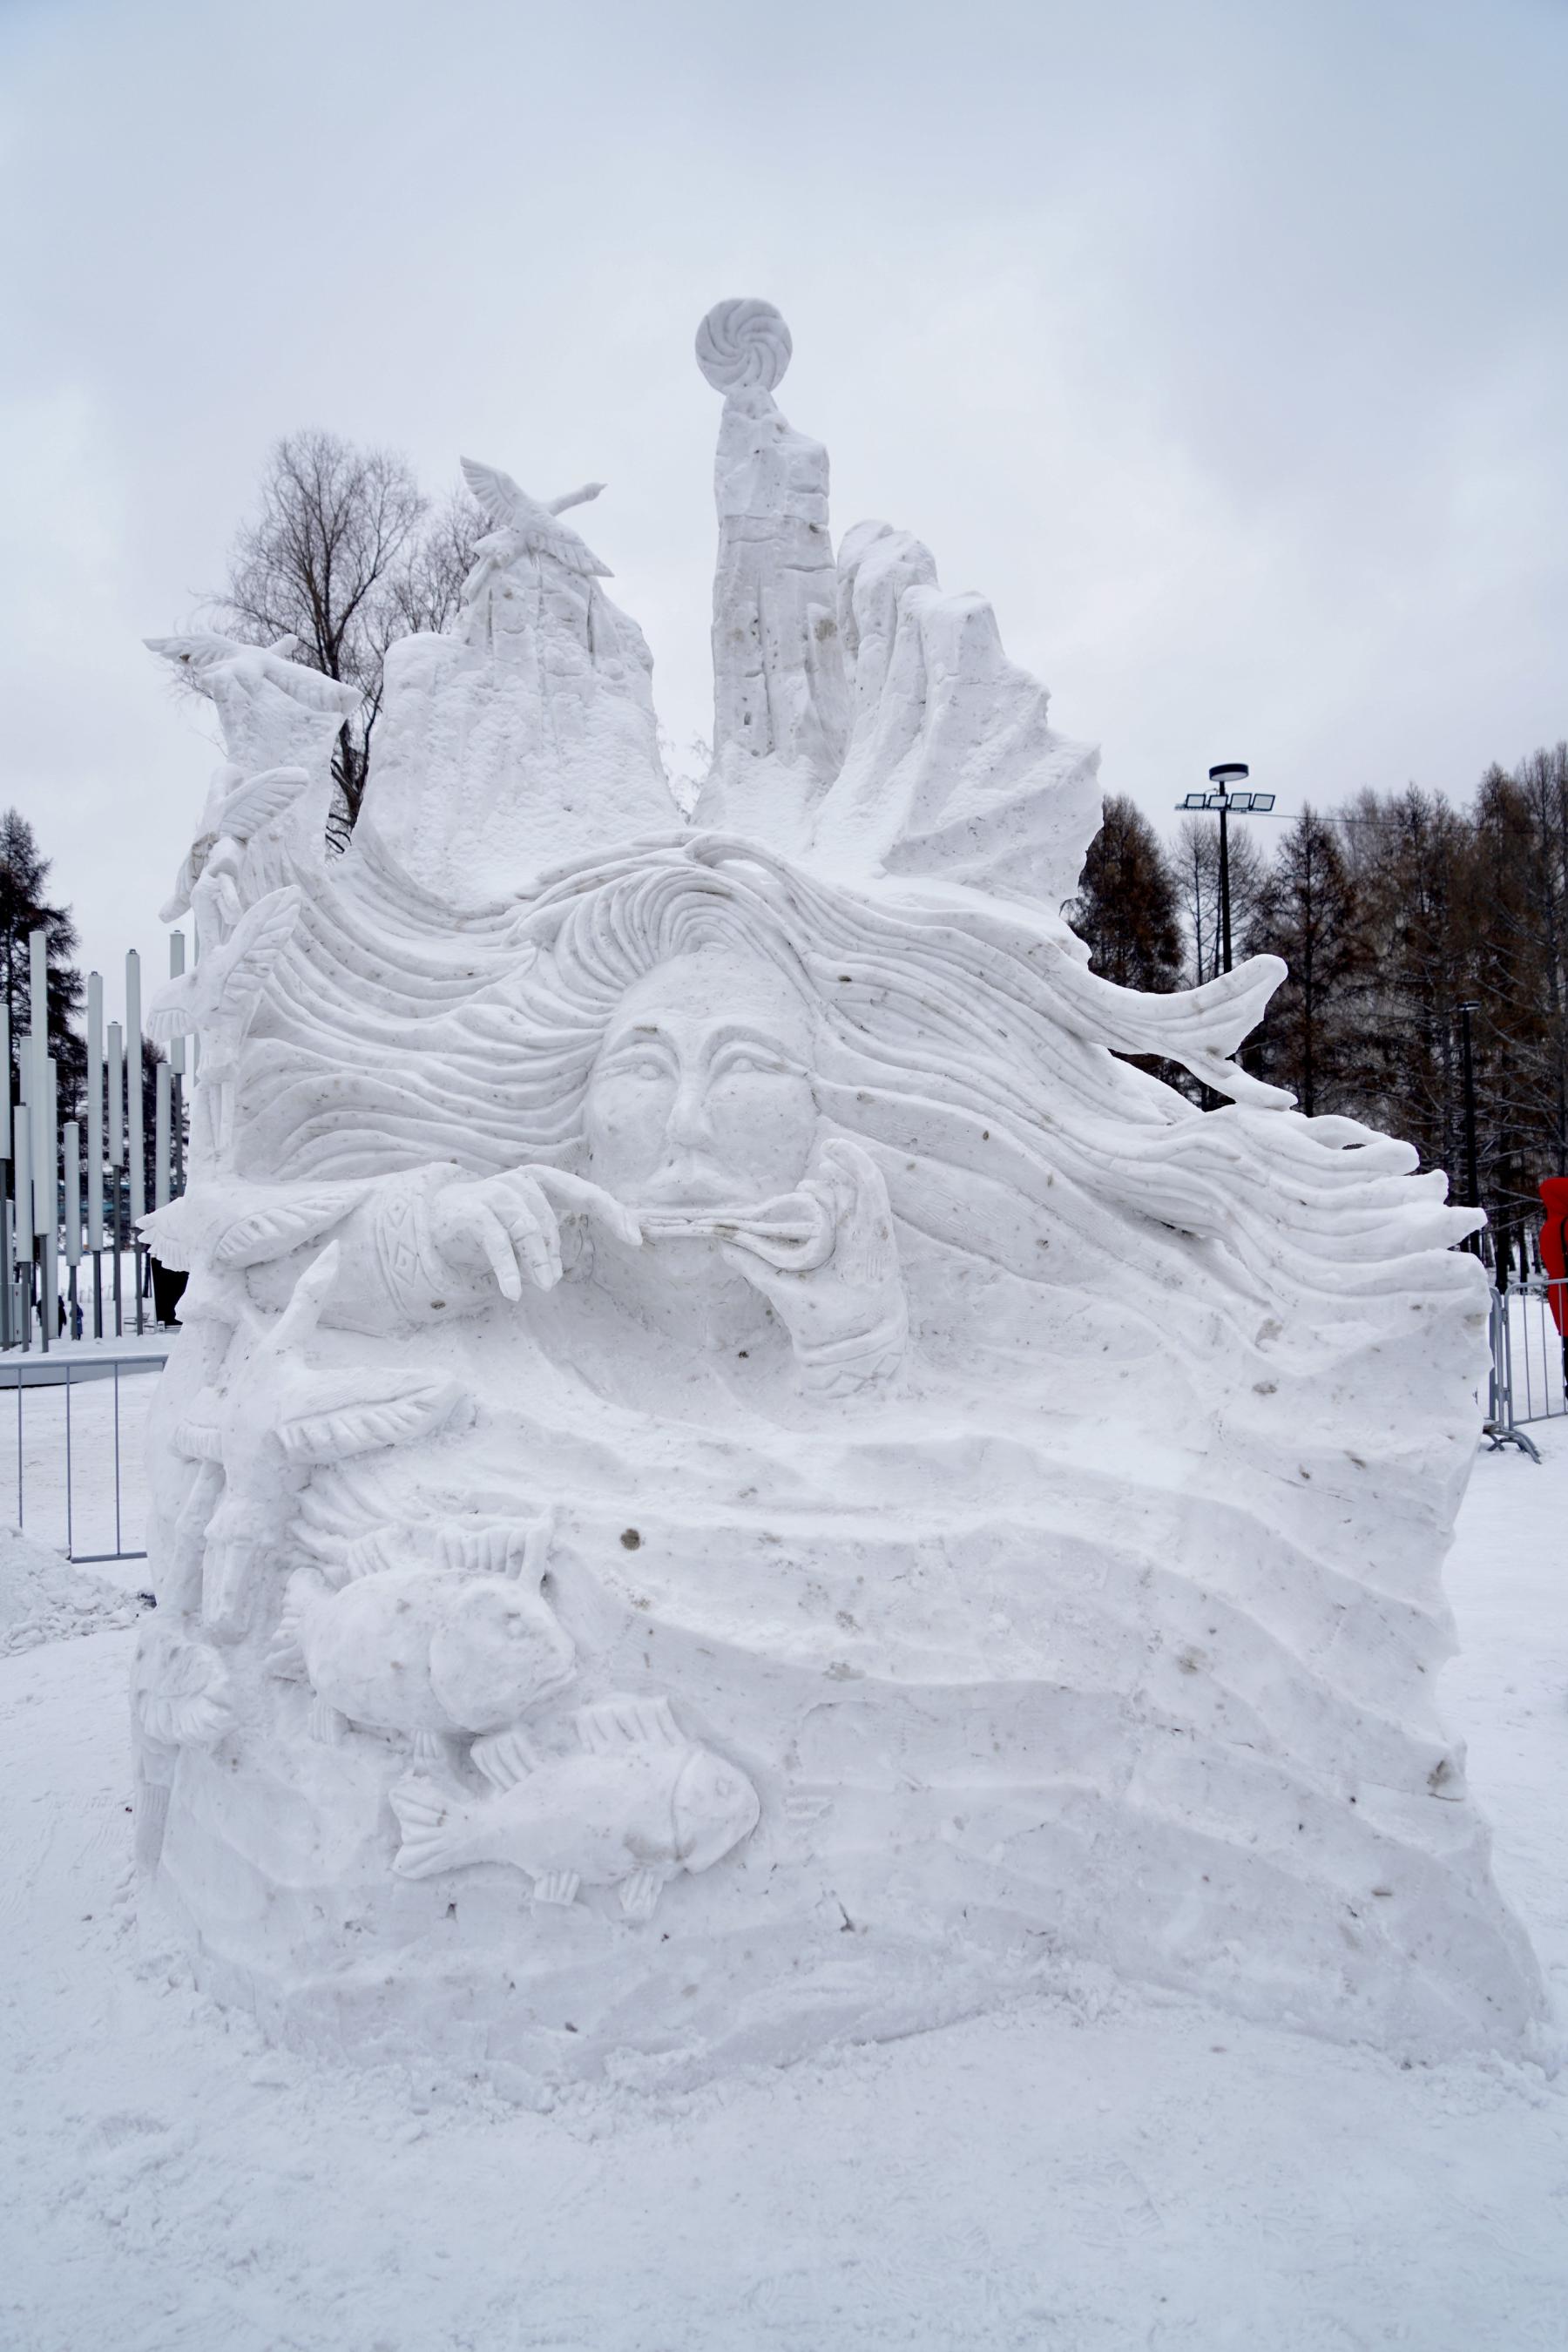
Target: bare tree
(1196,864)
(346,554)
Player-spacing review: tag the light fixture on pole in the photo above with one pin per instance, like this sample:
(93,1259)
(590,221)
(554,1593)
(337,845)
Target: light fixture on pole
(1225,802)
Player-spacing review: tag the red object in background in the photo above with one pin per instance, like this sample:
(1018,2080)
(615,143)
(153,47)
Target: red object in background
(1554,1247)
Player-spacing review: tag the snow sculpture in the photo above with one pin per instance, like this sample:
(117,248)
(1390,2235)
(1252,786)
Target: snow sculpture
(738,1474)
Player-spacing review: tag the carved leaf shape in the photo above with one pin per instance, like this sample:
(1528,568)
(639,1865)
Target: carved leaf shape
(357,1412)
(283,1225)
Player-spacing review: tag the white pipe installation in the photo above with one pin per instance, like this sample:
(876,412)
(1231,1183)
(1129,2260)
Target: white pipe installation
(55,1182)
(135,1149)
(95,1143)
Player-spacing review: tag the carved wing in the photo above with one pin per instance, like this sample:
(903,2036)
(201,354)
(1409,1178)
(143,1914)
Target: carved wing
(266,796)
(195,653)
(175,1233)
(283,1225)
(354,1412)
(176,1009)
(504,501)
(259,937)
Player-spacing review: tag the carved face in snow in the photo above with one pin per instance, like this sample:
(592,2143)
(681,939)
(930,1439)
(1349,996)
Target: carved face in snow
(702,1096)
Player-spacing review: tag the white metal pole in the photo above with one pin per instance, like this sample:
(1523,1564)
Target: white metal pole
(95,1143)
(24,1165)
(38,1130)
(176,966)
(24,1181)
(135,1151)
(116,1096)
(134,1142)
(7,1206)
(7,1212)
(44,1202)
(95,1110)
(117,1153)
(70,1138)
(48,1125)
(162,1108)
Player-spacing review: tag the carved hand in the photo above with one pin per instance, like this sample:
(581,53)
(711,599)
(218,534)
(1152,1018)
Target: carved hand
(512,1225)
(839,1290)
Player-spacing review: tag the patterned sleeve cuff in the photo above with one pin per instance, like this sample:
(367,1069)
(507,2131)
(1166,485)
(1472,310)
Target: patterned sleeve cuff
(418,1283)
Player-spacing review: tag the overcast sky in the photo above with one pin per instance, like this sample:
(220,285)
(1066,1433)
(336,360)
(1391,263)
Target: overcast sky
(1224,346)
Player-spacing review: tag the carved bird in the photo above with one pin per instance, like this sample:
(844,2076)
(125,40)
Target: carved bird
(273,1418)
(219,997)
(236,807)
(270,707)
(524,527)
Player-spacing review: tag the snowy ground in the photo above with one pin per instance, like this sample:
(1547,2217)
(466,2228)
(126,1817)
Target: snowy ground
(1093,2172)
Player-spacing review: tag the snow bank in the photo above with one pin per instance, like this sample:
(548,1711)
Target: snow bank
(44,1599)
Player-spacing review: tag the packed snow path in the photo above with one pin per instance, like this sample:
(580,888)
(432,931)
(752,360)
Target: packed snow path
(1094,2171)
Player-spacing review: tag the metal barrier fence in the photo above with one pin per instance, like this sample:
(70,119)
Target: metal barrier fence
(79,1421)
(1529,1361)
(1538,1353)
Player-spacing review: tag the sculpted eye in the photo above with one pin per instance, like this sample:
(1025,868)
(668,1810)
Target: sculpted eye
(746,1058)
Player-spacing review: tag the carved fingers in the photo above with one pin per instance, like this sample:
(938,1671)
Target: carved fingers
(838,1289)
(512,1225)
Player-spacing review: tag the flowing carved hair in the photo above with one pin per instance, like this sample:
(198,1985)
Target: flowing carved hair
(964,1041)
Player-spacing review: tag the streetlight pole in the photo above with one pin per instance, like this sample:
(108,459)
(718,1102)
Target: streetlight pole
(1225,802)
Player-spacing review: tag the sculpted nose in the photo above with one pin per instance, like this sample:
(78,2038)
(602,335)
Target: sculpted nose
(688,1112)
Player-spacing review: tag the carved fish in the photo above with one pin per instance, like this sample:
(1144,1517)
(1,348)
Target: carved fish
(638,1803)
(433,1652)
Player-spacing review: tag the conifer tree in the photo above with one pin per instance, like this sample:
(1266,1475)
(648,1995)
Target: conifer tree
(1412,864)
(1309,912)
(24,875)
(1127,909)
